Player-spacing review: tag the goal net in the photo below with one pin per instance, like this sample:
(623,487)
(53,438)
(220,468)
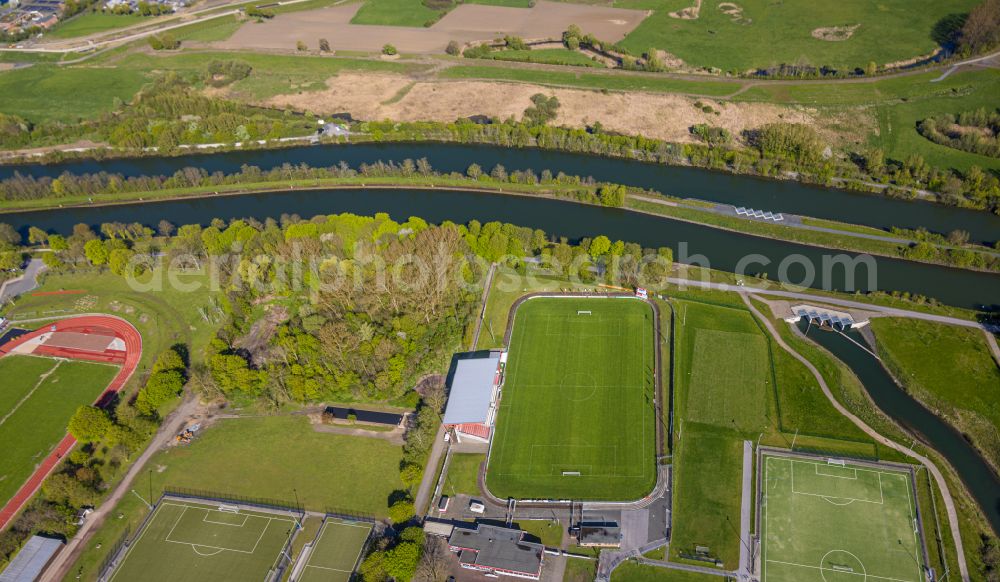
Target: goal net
(229,508)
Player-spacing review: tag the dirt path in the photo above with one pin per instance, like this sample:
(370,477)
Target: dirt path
(172,425)
(932,469)
(394,436)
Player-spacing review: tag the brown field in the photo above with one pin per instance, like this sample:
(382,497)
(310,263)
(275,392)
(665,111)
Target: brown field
(466,23)
(663,116)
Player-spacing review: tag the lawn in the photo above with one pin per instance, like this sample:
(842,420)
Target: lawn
(708,467)
(546,56)
(580,570)
(828,522)
(724,368)
(92,22)
(764,33)
(548,532)
(192,541)
(31,425)
(216,29)
(576,416)
(395,13)
(283,457)
(51,93)
(949,369)
(336,552)
(463,474)
(634,572)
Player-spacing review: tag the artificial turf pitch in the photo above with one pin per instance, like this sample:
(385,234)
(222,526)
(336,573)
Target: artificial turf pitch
(335,553)
(185,540)
(577,407)
(824,522)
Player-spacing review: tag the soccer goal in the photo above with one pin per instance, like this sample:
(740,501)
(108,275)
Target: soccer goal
(225,508)
(584,313)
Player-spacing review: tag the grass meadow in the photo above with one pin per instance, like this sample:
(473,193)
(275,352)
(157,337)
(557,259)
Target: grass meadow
(576,421)
(463,474)
(91,23)
(761,33)
(949,369)
(634,572)
(36,411)
(394,13)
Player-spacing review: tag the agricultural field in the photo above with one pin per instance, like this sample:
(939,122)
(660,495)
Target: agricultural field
(395,13)
(37,398)
(336,551)
(51,93)
(746,34)
(823,522)
(949,369)
(198,541)
(576,419)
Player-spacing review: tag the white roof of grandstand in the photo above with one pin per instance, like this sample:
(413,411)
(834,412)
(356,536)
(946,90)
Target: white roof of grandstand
(28,564)
(471,390)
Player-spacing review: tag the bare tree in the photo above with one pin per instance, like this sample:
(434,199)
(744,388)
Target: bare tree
(435,562)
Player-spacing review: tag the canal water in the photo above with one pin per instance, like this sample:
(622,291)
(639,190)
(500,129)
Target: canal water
(803,265)
(764,194)
(980,479)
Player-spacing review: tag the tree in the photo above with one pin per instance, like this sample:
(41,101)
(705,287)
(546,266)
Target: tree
(411,474)
(166,228)
(52,260)
(611,195)
(600,246)
(790,141)
(8,235)
(981,30)
(435,561)
(543,109)
(119,262)
(57,242)
(401,561)
(301,46)
(389,50)
(324,45)
(89,424)
(96,252)
(10,260)
(37,236)
(453,48)
(401,511)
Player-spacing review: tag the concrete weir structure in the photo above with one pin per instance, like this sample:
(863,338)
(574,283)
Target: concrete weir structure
(824,316)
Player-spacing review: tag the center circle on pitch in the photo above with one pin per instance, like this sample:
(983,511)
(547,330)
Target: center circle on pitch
(578,386)
(842,566)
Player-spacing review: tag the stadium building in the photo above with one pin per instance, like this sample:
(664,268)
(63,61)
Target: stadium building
(473,396)
(497,550)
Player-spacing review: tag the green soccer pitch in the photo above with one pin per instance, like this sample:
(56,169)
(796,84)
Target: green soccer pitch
(577,408)
(335,554)
(824,522)
(184,540)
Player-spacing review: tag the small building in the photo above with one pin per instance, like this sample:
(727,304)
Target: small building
(30,562)
(497,550)
(600,534)
(442,529)
(473,395)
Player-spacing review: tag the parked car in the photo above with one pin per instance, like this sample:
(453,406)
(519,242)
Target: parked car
(443,503)
(476,507)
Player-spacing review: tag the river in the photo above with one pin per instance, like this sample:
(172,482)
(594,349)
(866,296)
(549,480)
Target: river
(765,194)
(979,478)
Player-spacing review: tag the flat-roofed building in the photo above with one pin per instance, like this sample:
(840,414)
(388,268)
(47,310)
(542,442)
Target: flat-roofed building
(31,560)
(497,550)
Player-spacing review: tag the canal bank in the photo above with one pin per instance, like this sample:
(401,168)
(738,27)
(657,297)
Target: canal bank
(738,190)
(799,264)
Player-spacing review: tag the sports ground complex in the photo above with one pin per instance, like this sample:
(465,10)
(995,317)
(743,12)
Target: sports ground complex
(200,539)
(577,414)
(828,520)
(47,374)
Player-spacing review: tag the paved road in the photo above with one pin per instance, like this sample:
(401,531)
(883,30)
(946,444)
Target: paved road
(949,503)
(65,559)
(430,473)
(893,311)
(745,568)
(26,282)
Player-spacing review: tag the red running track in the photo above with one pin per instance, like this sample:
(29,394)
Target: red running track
(129,360)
